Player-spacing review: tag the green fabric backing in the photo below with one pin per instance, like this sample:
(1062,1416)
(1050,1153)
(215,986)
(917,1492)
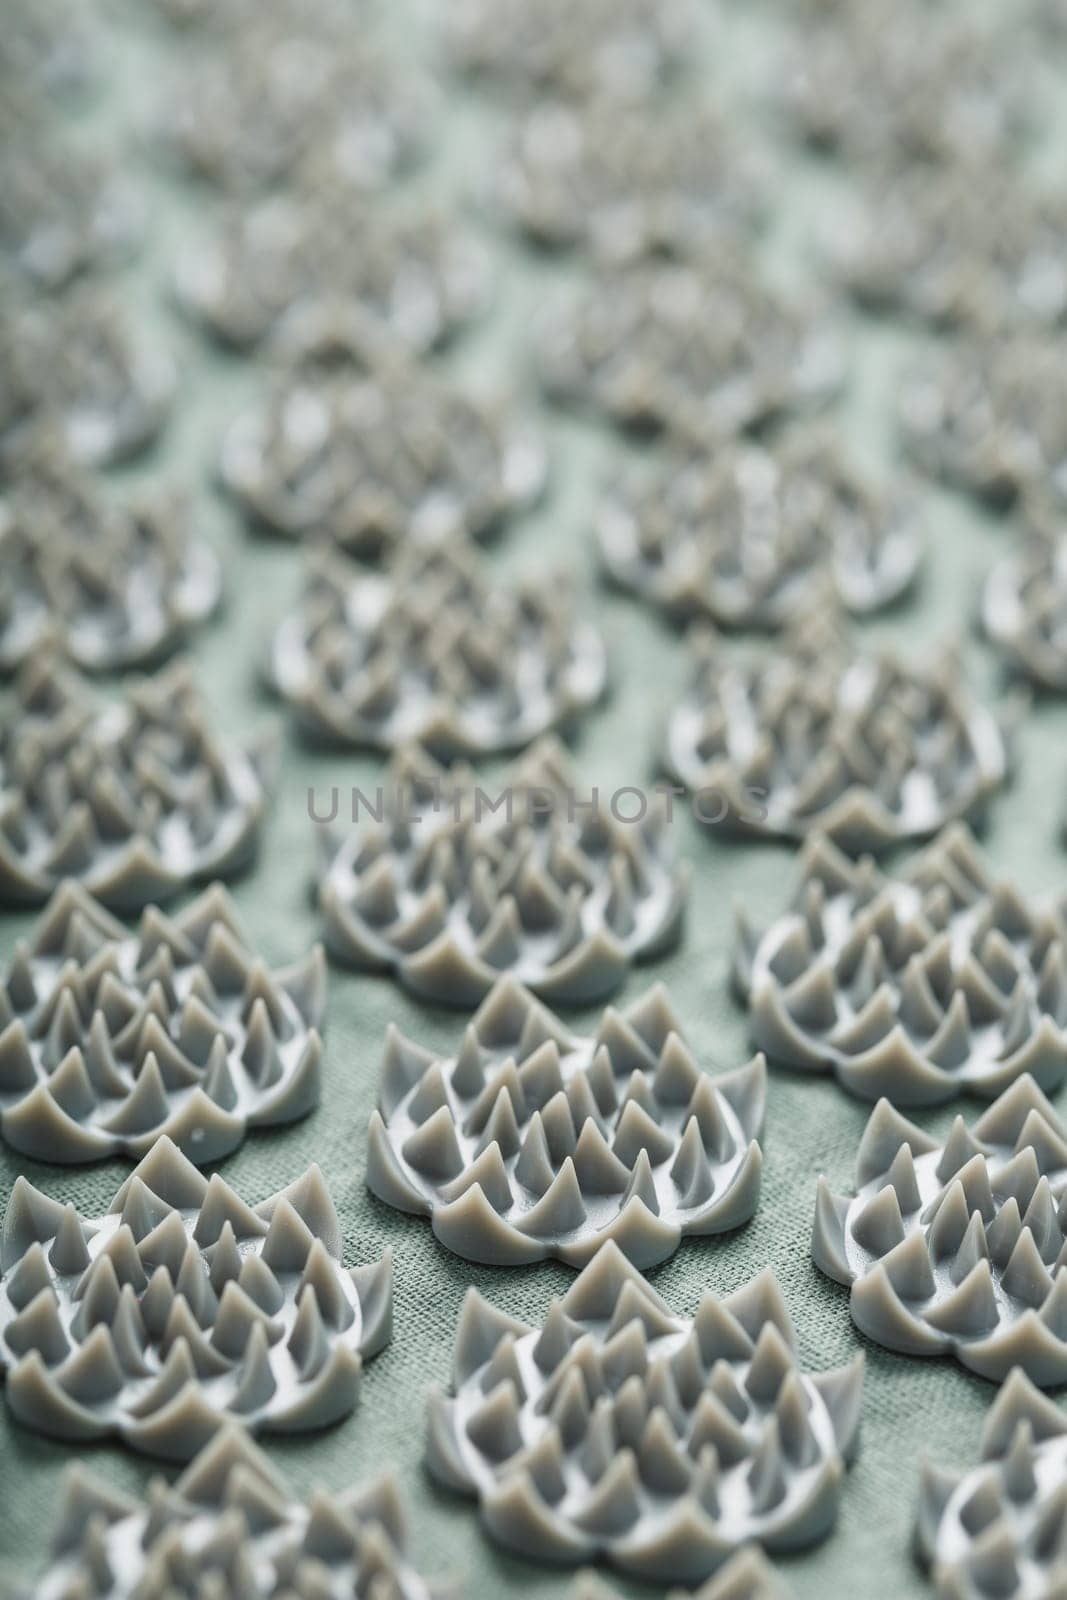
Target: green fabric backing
(812,1126)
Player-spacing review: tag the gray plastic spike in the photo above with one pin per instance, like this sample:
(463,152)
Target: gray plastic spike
(433,935)
(170,821)
(955,1269)
(928,924)
(164,1062)
(355,1539)
(640,1449)
(643,1177)
(273,1333)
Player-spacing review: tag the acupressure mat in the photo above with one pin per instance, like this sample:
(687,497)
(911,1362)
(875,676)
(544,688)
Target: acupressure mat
(811,1125)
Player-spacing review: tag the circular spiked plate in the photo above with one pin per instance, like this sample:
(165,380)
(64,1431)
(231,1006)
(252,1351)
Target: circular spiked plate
(532,1142)
(134,797)
(112,1040)
(181,1308)
(80,369)
(867,749)
(754,537)
(915,987)
(454,883)
(657,1443)
(998,1528)
(959,1248)
(432,652)
(230,1520)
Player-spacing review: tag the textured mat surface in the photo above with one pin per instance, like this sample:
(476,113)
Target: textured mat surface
(812,1126)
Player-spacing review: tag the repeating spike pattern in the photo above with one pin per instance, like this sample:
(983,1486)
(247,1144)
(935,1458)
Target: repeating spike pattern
(418,277)
(1000,1529)
(753,537)
(867,749)
(61,216)
(432,651)
(914,987)
(113,585)
(863,88)
(662,1445)
(588,173)
(457,885)
(74,365)
(229,1526)
(701,356)
(136,798)
(183,1308)
(108,1041)
(958,1248)
(532,1142)
(988,416)
(746,1576)
(951,254)
(356,445)
(1024,610)
(621,47)
(296,91)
